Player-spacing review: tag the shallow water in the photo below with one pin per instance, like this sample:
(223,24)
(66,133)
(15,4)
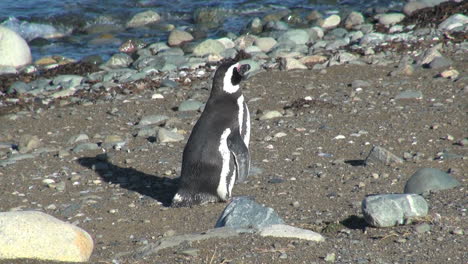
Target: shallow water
(63,22)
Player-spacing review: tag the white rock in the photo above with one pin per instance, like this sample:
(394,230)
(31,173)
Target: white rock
(209,46)
(330,22)
(390,18)
(270,115)
(36,235)
(14,51)
(456,20)
(165,135)
(292,64)
(288,231)
(227,43)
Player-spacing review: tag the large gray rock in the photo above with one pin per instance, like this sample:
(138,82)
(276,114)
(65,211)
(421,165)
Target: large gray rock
(119,60)
(152,120)
(14,51)
(298,36)
(429,179)
(177,37)
(242,212)
(36,235)
(454,21)
(386,210)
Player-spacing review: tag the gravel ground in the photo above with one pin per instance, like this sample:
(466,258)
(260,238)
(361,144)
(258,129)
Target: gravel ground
(311,178)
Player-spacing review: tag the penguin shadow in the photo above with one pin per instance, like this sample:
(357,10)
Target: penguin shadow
(162,189)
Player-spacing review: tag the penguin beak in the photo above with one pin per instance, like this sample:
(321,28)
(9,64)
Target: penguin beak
(242,69)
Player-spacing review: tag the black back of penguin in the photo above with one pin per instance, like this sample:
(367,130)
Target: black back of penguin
(202,161)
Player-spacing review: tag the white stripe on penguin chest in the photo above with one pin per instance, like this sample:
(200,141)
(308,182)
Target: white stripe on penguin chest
(223,148)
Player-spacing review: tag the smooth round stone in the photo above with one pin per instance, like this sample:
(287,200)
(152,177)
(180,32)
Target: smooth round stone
(153,120)
(330,22)
(209,46)
(298,36)
(270,115)
(265,44)
(143,18)
(227,43)
(429,179)
(68,81)
(15,50)
(190,105)
(165,135)
(454,21)
(177,37)
(390,18)
(353,19)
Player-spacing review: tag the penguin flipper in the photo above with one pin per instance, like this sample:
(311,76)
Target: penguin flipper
(241,155)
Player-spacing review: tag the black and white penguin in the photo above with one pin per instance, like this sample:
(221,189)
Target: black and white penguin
(217,152)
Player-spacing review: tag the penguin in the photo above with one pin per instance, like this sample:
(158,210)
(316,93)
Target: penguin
(217,152)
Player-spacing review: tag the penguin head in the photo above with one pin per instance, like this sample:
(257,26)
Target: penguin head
(228,76)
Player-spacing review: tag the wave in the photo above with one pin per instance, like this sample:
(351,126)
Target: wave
(30,31)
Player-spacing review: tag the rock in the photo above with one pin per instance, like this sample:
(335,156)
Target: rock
(190,105)
(454,21)
(68,81)
(297,36)
(165,135)
(386,210)
(119,60)
(113,141)
(330,22)
(242,212)
(313,59)
(417,95)
(209,16)
(354,19)
(209,46)
(429,179)
(412,6)
(85,146)
(381,154)
(78,138)
(450,74)
(270,115)
(265,44)
(177,37)
(28,142)
(14,49)
(390,18)
(422,228)
(440,62)
(19,88)
(152,120)
(36,235)
(360,84)
(281,230)
(429,55)
(330,257)
(143,18)
(255,26)
(132,45)
(172,241)
(291,64)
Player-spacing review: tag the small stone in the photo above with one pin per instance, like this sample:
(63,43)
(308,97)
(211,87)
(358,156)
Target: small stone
(458,231)
(295,204)
(84,147)
(386,210)
(292,64)
(282,230)
(422,228)
(408,95)
(270,115)
(265,44)
(450,74)
(330,22)
(193,252)
(354,19)
(429,179)
(381,154)
(153,120)
(360,84)
(330,257)
(390,18)
(77,138)
(440,62)
(119,60)
(242,212)
(190,105)
(28,142)
(165,135)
